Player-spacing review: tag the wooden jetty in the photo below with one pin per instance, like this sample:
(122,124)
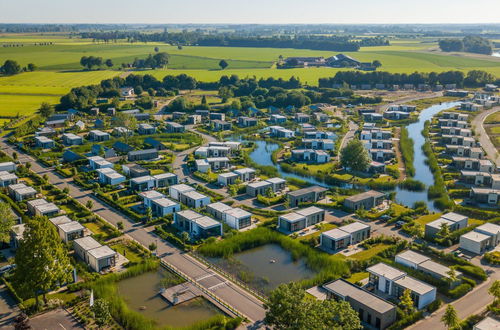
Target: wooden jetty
(181,293)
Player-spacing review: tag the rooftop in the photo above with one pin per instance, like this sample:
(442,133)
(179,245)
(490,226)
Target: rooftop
(436,268)
(151,194)
(189,214)
(365,195)
(238,213)
(60,220)
(437,224)
(454,217)
(386,271)
(244,170)
(335,234)
(194,195)
(164,202)
(475,236)
(218,206)
(71,226)
(87,243)
(346,289)
(164,176)
(259,184)
(413,256)
(309,210)
(181,188)
(228,175)
(414,285)
(206,222)
(103,251)
(490,228)
(354,227)
(142,179)
(276,180)
(307,190)
(488,323)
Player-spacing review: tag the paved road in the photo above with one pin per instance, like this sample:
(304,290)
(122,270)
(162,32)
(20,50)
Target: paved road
(484,139)
(353,127)
(472,303)
(56,319)
(234,295)
(8,308)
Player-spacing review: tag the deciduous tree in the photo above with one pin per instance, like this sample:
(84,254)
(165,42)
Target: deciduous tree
(101,312)
(11,67)
(6,221)
(354,156)
(223,64)
(450,317)
(42,260)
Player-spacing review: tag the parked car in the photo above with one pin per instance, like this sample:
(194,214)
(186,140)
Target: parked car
(399,224)
(385,217)
(7,268)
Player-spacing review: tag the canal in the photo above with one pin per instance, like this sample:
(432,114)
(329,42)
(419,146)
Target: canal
(263,151)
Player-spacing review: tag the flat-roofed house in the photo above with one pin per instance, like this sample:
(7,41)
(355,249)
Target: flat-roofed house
(372,310)
(245,174)
(488,323)
(217,210)
(194,199)
(173,127)
(277,184)
(142,183)
(135,171)
(40,207)
(175,191)
(425,264)
(454,221)
(306,195)
(68,229)
(258,188)
(228,178)
(97,256)
(163,180)
(71,139)
(98,136)
(164,206)
(146,129)
(21,192)
(8,166)
(110,176)
(393,282)
(44,142)
(196,224)
(97,162)
(237,218)
(485,195)
(301,219)
(214,163)
(145,154)
(7,179)
(221,125)
(366,200)
(149,196)
(481,239)
(340,238)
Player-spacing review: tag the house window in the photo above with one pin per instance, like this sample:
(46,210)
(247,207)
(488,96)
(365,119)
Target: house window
(377,323)
(361,314)
(369,318)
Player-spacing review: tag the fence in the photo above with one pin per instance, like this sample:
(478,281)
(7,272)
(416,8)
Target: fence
(177,271)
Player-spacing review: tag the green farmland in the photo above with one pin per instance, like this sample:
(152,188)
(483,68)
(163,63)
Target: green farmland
(59,69)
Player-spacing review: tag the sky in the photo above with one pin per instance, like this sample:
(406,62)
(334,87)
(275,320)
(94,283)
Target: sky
(250,11)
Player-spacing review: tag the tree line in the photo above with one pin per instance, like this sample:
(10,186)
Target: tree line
(90,62)
(11,67)
(469,44)
(330,43)
(474,78)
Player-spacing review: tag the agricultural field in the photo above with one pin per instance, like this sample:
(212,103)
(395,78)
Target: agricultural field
(59,69)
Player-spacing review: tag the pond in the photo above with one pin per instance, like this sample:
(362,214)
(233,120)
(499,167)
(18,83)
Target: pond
(141,295)
(422,170)
(266,267)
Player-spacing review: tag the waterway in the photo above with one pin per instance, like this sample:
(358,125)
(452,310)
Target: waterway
(422,170)
(265,267)
(141,295)
(263,151)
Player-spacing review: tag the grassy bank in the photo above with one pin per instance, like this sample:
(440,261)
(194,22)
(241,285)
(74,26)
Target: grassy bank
(406,147)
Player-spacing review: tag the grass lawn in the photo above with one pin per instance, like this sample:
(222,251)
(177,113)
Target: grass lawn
(494,118)
(367,254)
(130,252)
(356,277)
(94,228)
(494,130)
(324,227)
(473,222)
(427,218)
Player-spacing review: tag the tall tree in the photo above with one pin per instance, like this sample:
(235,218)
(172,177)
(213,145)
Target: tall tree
(109,63)
(406,303)
(354,156)
(11,67)
(46,110)
(450,317)
(31,67)
(161,60)
(289,308)
(494,290)
(6,220)
(42,260)
(223,64)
